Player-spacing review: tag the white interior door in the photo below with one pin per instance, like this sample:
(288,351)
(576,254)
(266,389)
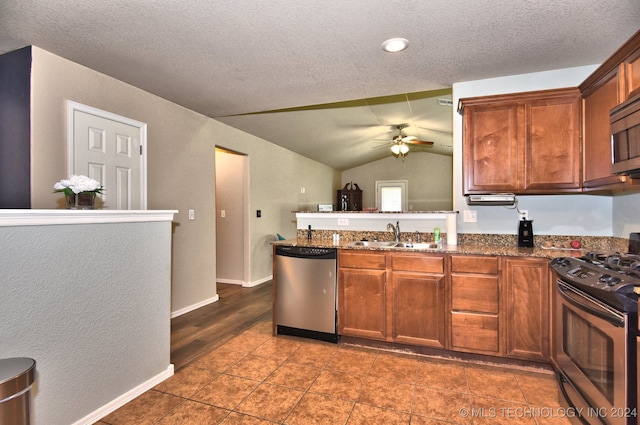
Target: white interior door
(110,149)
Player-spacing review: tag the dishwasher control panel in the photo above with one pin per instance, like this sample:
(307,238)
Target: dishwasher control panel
(306,252)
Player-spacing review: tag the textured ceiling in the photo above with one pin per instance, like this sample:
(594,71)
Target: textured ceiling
(224,58)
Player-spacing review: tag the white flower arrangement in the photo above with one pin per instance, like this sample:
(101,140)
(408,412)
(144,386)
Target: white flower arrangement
(78,184)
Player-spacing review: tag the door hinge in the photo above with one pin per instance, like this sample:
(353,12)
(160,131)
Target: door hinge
(140,149)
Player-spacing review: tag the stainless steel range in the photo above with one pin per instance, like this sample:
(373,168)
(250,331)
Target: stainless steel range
(595,324)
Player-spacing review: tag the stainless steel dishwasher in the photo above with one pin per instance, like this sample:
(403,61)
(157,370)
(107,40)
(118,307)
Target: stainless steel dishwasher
(305,292)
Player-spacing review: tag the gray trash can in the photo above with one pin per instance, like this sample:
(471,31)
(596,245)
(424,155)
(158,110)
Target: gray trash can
(16,377)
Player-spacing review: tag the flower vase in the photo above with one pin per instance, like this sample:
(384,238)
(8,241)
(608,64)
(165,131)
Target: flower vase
(81,201)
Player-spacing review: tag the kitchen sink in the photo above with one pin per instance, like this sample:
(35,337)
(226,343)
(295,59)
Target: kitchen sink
(374,244)
(388,244)
(418,245)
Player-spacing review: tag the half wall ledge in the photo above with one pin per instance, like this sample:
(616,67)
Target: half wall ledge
(36,217)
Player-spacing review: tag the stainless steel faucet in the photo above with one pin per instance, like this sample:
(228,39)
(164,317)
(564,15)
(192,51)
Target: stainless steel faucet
(395,229)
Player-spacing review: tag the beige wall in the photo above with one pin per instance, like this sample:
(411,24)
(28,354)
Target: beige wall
(276,176)
(180,169)
(429,180)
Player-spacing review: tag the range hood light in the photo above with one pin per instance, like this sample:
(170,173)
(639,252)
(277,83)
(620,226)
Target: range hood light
(492,199)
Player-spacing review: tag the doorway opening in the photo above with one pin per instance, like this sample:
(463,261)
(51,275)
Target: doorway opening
(232,217)
(391,195)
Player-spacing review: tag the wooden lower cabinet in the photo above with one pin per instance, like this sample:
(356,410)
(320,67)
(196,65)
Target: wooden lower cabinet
(392,296)
(418,299)
(527,301)
(362,303)
(474,302)
(490,305)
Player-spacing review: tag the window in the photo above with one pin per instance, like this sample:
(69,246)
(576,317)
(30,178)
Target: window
(391,195)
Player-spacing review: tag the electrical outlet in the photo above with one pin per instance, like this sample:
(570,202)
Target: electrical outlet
(192,214)
(223,213)
(524,214)
(343,222)
(470,216)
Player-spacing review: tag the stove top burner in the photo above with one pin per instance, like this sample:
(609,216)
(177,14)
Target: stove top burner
(611,278)
(626,263)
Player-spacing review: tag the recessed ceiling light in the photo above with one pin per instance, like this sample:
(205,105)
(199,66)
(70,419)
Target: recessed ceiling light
(394,45)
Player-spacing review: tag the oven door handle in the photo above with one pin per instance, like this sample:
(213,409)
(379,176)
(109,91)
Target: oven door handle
(606,313)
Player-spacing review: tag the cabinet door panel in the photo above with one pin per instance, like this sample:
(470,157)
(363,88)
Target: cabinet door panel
(632,71)
(475,332)
(553,143)
(475,293)
(527,301)
(490,147)
(597,133)
(419,309)
(361,299)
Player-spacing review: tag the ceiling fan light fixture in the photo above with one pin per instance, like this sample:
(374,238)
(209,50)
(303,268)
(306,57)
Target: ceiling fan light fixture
(394,45)
(399,149)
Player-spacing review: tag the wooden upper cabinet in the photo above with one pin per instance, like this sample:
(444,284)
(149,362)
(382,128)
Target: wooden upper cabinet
(523,143)
(608,86)
(597,133)
(552,143)
(492,134)
(631,67)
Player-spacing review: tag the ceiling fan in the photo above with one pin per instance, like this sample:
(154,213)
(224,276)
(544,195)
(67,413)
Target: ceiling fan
(400,142)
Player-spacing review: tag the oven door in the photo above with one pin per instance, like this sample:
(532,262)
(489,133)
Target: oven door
(590,351)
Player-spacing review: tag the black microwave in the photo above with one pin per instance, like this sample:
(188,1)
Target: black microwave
(625,138)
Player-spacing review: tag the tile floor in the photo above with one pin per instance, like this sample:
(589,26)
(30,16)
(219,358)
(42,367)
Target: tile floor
(257,378)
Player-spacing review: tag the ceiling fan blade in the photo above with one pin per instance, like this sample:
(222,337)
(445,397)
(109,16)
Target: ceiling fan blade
(385,145)
(418,142)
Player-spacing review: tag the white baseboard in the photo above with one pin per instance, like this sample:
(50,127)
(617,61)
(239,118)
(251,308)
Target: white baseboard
(194,306)
(243,283)
(257,282)
(114,405)
(230,281)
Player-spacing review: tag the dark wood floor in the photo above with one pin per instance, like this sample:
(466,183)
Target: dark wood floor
(200,331)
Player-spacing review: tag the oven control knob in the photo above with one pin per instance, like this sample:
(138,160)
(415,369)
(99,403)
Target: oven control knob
(560,261)
(613,281)
(609,280)
(604,278)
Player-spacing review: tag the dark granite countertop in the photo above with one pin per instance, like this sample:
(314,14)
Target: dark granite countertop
(461,248)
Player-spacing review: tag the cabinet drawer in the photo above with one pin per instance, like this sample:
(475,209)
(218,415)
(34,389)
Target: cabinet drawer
(362,259)
(475,293)
(476,332)
(474,264)
(415,262)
